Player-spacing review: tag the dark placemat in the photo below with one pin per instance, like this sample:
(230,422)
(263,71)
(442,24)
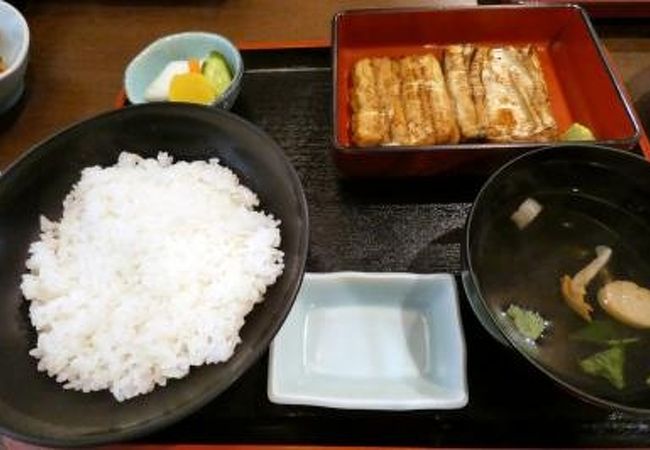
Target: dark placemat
(381,225)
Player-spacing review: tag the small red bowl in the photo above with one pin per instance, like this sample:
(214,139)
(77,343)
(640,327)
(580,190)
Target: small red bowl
(581,84)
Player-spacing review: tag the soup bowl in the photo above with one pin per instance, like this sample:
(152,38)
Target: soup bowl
(585,197)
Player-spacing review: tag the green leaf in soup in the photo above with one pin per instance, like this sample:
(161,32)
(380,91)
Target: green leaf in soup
(528,323)
(602,332)
(607,364)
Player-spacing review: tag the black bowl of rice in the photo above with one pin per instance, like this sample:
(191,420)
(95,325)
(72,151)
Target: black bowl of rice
(148,256)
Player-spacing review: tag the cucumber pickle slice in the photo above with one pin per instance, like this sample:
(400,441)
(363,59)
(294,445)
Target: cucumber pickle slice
(216,70)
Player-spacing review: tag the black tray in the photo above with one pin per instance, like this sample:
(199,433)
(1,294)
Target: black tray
(379,225)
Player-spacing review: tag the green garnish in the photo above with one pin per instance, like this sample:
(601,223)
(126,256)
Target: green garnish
(578,132)
(607,364)
(602,332)
(529,323)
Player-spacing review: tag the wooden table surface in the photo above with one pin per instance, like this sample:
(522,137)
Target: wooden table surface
(79,49)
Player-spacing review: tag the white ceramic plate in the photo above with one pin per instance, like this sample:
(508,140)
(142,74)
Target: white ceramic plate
(388,341)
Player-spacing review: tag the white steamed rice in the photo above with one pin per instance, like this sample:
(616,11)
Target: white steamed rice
(150,271)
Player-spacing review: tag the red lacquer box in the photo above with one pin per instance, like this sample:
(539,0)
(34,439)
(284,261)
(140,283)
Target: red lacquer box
(581,84)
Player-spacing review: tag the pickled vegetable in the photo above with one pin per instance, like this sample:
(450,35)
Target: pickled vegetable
(216,70)
(192,88)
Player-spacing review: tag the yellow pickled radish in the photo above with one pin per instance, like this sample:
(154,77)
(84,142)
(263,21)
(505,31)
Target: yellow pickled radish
(192,88)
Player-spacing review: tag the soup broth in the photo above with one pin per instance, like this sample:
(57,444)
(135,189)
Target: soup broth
(524,267)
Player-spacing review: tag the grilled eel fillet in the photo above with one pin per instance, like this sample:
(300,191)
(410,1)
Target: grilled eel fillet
(369,124)
(510,95)
(458,62)
(403,101)
(492,93)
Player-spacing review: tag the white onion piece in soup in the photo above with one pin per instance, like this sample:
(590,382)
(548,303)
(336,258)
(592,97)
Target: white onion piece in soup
(526,213)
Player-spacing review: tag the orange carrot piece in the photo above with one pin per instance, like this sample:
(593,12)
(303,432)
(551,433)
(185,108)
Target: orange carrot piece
(195,65)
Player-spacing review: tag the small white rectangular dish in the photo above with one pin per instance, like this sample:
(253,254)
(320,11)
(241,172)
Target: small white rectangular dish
(381,341)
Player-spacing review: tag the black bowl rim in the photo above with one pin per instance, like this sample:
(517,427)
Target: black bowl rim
(159,422)
(497,331)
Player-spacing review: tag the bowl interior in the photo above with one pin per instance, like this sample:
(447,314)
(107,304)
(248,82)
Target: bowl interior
(389,341)
(36,408)
(590,196)
(146,66)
